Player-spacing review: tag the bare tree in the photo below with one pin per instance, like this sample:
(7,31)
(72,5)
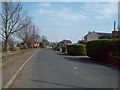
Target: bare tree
(29,35)
(12,19)
(35,37)
(11,44)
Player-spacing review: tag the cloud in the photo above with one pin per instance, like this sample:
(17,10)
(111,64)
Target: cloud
(42,11)
(67,13)
(44,4)
(105,10)
(65,9)
(72,16)
(64,13)
(91,0)
(99,17)
(108,9)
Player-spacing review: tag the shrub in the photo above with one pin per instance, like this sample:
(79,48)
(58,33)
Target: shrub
(17,48)
(101,48)
(41,45)
(76,49)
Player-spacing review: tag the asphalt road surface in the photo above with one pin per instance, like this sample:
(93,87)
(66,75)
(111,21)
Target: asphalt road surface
(49,69)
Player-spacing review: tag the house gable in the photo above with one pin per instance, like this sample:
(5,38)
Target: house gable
(91,36)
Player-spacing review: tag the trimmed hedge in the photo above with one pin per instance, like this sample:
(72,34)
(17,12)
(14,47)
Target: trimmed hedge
(76,49)
(101,48)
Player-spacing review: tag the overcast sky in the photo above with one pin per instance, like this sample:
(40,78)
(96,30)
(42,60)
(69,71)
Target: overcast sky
(72,20)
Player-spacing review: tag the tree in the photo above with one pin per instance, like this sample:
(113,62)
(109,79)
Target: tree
(12,18)
(29,34)
(11,44)
(26,32)
(44,40)
(35,36)
(41,45)
(82,42)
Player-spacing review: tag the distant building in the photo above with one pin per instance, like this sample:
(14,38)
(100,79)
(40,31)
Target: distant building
(65,42)
(116,34)
(96,35)
(36,45)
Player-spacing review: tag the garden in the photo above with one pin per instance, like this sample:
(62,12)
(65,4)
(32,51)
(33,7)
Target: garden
(102,50)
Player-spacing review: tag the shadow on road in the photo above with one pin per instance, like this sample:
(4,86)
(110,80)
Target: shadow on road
(82,60)
(60,84)
(70,86)
(87,60)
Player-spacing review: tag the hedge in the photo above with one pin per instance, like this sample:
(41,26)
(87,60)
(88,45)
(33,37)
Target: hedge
(101,48)
(76,49)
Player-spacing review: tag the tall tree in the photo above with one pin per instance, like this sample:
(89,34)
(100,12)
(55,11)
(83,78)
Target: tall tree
(29,35)
(12,18)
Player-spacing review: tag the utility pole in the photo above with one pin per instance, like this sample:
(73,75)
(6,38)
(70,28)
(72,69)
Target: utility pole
(114,25)
(118,32)
(118,21)
(114,30)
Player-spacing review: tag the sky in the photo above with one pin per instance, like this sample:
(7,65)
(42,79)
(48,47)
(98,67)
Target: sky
(72,20)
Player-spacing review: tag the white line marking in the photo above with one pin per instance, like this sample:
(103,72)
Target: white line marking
(74,67)
(18,71)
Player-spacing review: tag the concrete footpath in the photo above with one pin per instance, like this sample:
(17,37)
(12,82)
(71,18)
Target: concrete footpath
(11,68)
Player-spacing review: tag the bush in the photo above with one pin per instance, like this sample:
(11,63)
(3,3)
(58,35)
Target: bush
(41,45)
(17,48)
(76,49)
(101,48)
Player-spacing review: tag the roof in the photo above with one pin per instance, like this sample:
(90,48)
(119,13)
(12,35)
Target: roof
(65,41)
(104,34)
(100,34)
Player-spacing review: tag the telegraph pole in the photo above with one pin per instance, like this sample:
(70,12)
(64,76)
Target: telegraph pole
(114,30)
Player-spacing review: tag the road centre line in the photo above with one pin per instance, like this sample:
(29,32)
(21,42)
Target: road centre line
(74,67)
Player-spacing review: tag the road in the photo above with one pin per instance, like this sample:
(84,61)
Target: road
(49,69)
(11,68)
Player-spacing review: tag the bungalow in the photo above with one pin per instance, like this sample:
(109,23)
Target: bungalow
(96,35)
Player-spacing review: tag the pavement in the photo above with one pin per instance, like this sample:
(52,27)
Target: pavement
(49,69)
(11,68)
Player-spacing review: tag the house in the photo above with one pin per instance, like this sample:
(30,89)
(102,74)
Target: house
(96,35)
(35,45)
(116,34)
(65,42)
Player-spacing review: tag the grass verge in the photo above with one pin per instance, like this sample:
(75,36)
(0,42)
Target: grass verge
(11,57)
